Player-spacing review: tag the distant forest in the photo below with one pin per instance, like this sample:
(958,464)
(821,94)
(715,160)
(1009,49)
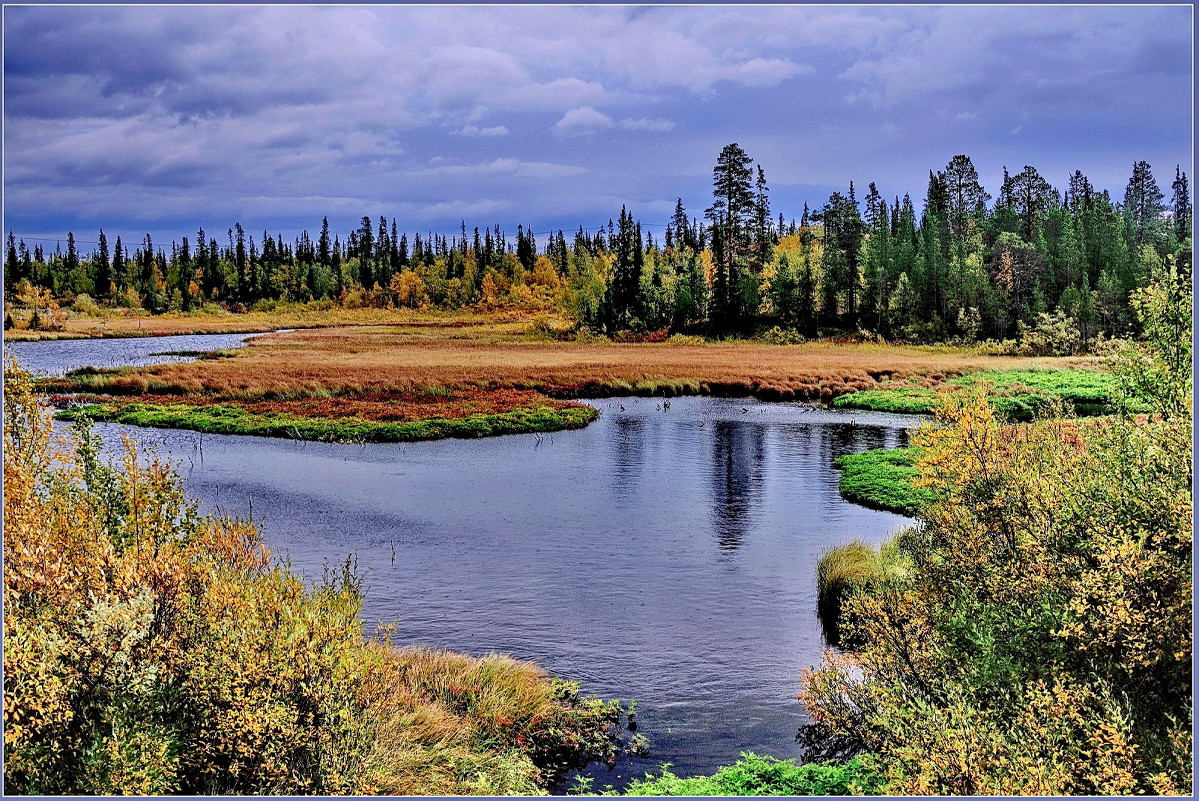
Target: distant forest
(957,267)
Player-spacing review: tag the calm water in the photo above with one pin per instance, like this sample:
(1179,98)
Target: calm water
(662,555)
(56,357)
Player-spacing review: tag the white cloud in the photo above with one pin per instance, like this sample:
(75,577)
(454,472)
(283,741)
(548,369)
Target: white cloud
(475,130)
(646,124)
(583,121)
(766,72)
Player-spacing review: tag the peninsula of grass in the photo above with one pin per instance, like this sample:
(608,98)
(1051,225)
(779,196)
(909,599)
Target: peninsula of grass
(1018,394)
(882,479)
(233,418)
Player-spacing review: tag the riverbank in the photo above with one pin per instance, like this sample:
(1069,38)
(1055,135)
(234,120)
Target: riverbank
(465,375)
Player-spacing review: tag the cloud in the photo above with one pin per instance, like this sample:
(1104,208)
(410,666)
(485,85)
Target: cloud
(140,113)
(583,121)
(766,72)
(504,166)
(646,124)
(476,131)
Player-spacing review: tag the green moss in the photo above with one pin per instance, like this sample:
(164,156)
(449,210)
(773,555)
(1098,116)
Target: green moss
(1019,394)
(763,775)
(882,479)
(230,419)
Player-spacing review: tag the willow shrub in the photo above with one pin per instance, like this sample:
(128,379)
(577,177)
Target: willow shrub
(150,650)
(1041,644)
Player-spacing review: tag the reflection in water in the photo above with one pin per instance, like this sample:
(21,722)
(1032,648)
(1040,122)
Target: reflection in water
(737,462)
(628,447)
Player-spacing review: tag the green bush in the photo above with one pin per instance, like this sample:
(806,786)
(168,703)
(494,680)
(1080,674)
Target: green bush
(766,776)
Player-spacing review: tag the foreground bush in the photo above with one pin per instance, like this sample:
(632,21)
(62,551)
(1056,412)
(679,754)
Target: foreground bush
(150,650)
(1041,643)
(763,775)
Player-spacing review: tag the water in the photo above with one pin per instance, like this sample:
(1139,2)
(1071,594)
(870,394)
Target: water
(666,555)
(56,357)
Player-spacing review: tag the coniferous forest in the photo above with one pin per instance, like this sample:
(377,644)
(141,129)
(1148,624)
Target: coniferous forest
(959,264)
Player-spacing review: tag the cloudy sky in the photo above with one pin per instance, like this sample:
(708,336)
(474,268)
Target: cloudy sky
(142,119)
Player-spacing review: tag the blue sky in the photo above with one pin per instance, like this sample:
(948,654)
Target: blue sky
(161,119)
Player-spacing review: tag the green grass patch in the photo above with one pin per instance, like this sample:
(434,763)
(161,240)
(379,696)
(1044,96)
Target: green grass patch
(231,419)
(906,400)
(764,775)
(1019,394)
(882,479)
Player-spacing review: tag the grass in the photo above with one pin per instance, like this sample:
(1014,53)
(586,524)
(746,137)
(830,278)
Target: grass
(849,569)
(1020,394)
(385,356)
(234,419)
(754,775)
(882,479)
(118,323)
(472,352)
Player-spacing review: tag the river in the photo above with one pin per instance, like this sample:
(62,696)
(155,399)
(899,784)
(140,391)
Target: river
(664,553)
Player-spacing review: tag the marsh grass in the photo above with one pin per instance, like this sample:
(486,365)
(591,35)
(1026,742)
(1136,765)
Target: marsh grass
(233,419)
(855,567)
(883,479)
(1020,394)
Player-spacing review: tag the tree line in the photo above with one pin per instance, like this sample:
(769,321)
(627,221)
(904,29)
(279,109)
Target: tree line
(962,265)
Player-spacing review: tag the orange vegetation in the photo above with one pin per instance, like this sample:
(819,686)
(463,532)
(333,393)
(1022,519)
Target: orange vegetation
(383,407)
(421,355)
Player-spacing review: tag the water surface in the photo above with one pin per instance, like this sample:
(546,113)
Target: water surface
(663,554)
(55,357)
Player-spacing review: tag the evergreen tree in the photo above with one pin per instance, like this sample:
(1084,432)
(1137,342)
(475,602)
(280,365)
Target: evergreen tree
(731,214)
(11,264)
(103,278)
(1180,207)
(1143,207)
(1031,197)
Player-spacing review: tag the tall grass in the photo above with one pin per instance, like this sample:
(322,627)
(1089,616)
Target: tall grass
(853,568)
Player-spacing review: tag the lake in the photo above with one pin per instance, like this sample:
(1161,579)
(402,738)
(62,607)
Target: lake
(664,553)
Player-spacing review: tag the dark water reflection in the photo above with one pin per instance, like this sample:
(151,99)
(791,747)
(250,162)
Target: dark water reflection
(663,555)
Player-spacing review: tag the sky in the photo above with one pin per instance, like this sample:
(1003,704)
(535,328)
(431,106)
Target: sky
(142,119)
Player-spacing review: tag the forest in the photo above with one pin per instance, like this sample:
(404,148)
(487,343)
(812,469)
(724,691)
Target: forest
(963,266)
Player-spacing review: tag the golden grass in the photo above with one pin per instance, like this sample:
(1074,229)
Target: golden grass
(461,351)
(126,323)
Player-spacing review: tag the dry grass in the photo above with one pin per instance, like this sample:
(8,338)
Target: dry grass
(137,323)
(471,352)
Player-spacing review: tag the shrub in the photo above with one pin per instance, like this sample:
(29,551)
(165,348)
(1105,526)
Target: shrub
(86,306)
(1041,642)
(150,650)
(782,336)
(765,776)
